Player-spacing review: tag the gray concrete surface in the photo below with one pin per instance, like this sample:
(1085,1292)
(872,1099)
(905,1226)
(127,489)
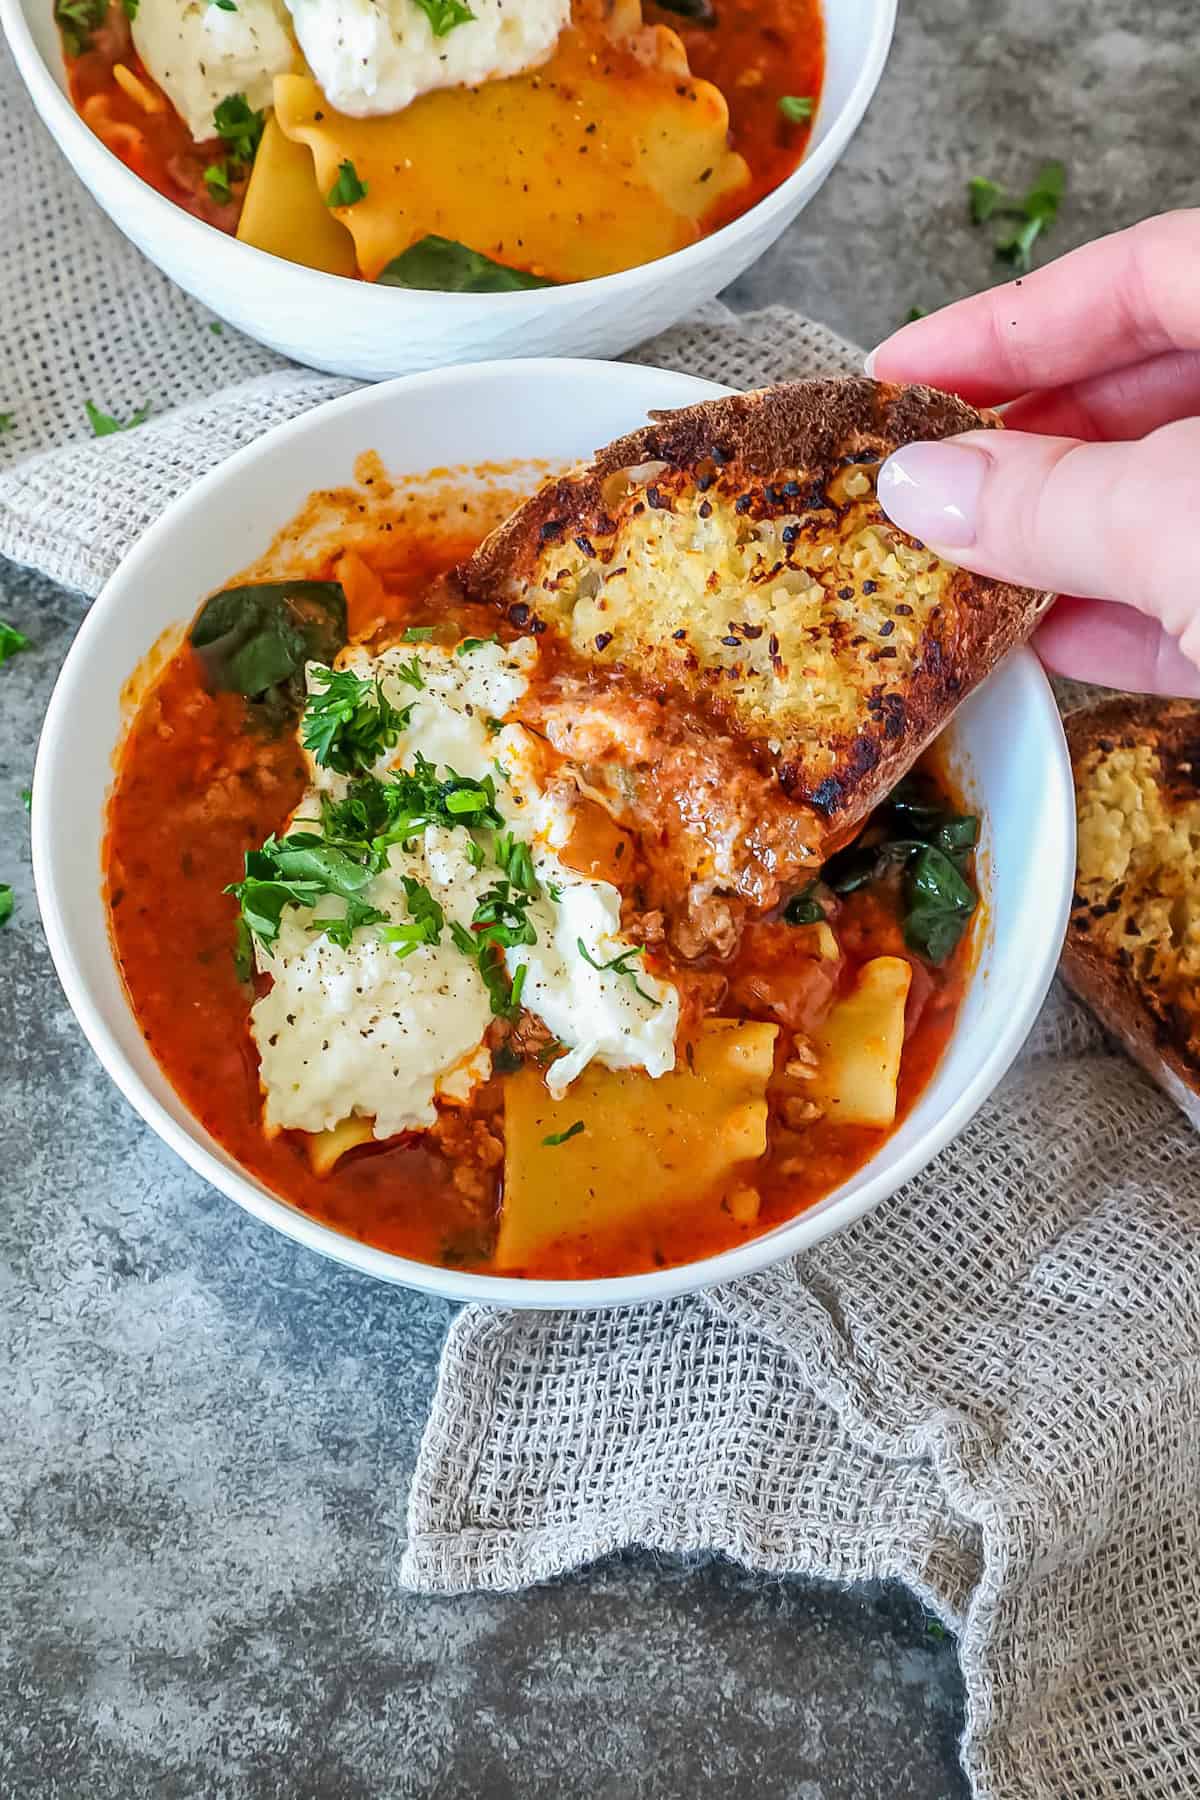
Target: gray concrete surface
(206,1434)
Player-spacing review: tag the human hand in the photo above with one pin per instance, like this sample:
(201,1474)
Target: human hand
(1094,488)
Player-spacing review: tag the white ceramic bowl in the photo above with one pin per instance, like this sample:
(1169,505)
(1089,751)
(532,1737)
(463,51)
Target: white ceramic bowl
(1008,749)
(383,331)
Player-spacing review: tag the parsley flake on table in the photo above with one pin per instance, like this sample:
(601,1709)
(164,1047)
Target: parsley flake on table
(347,190)
(797,109)
(6,903)
(104,425)
(1025,219)
(12,640)
(27,799)
(7,422)
(444,15)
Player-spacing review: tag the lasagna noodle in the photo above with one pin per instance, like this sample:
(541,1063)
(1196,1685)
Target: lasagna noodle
(285,213)
(647,1147)
(571,171)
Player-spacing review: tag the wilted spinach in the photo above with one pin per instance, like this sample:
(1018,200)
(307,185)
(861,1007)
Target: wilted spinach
(440,265)
(255,640)
(913,831)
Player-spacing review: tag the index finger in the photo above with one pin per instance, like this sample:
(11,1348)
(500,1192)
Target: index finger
(1132,295)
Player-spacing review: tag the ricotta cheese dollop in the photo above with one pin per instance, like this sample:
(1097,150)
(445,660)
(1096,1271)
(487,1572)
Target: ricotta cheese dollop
(361,1030)
(376,56)
(200,54)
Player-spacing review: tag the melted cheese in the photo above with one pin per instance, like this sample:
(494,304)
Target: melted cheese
(375,56)
(360,1031)
(577,170)
(199,54)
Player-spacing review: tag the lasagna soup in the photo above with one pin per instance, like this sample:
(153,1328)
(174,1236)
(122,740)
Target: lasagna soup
(437,144)
(396,947)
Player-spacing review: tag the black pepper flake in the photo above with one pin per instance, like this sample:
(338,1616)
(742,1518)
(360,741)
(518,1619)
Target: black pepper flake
(743,503)
(904,611)
(519,614)
(734,642)
(612,573)
(603,639)
(790,533)
(773,646)
(704,482)
(751,631)
(655,498)
(720,455)
(845,593)
(537,627)
(884,654)
(887,628)
(870,587)
(585,544)
(705,509)
(679,636)
(551,530)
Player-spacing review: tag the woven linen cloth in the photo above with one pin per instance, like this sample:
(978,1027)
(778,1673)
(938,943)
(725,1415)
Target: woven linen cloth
(989,1389)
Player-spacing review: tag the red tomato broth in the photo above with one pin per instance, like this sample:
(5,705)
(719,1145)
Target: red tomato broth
(198,783)
(757,52)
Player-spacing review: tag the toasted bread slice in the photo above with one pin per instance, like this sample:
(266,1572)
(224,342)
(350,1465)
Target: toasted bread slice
(732,559)
(1133,944)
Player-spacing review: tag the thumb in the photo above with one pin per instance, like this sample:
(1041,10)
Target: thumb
(1113,521)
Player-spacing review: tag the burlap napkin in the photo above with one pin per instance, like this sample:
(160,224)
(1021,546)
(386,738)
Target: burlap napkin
(989,1389)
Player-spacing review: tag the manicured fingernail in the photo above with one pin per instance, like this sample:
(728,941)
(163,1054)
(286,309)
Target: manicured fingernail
(869,363)
(932,492)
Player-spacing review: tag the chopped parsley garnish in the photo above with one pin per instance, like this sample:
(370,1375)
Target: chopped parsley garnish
(6,903)
(7,422)
(350,724)
(516,860)
(243,951)
(797,108)
(495,726)
(500,923)
(347,190)
(104,425)
(224,5)
(216,327)
(27,799)
(301,870)
(1025,219)
(620,965)
(563,1137)
(469,644)
(130,9)
(444,15)
(410,674)
(418,634)
(427,921)
(77,19)
(506,1060)
(914,313)
(217,180)
(554,891)
(239,125)
(11,641)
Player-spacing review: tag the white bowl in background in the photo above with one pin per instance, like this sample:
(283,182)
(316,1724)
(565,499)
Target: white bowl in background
(381,331)
(1007,748)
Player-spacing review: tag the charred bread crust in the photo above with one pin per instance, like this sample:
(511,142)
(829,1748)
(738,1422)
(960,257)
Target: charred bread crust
(1140,1009)
(771,456)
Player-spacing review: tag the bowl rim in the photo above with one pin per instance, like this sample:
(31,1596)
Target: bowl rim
(55,747)
(64,122)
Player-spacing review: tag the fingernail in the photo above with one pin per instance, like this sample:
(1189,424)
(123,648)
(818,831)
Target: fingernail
(932,492)
(869,363)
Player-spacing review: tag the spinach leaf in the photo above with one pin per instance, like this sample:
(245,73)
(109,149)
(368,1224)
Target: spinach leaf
(255,640)
(439,265)
(912,831)
(940,902)
(300,870)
